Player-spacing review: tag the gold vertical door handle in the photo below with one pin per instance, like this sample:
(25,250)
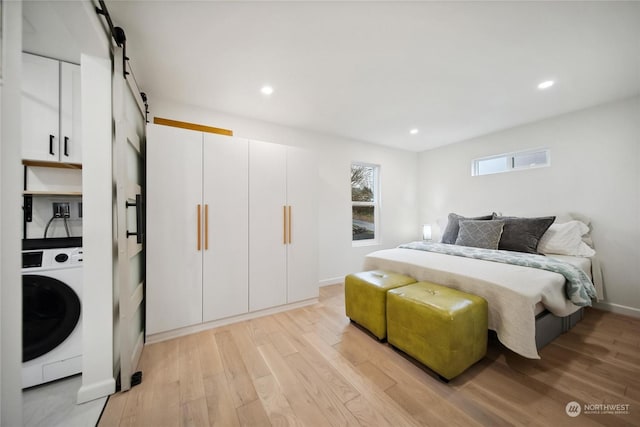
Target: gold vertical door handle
(284,225)
(290,221)
(206,227)
(198,210)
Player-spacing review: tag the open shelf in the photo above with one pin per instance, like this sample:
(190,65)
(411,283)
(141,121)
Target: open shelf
(44,164)
(51,193)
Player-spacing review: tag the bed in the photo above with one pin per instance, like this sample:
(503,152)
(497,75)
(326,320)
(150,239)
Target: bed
(528,305)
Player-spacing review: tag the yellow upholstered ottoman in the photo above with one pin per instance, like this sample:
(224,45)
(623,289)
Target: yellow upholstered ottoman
(365,297)
(443,328)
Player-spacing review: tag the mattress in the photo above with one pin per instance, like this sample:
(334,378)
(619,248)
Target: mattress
(515,294)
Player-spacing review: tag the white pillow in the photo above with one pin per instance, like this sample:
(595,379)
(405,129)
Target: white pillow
(566,217)
(566,239)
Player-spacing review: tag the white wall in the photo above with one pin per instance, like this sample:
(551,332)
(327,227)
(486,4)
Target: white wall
(10,219)
(97,300)
(398,172)
(54,179)
(595,171)
(43,211)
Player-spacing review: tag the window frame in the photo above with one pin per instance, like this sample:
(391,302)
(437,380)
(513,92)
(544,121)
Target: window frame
(510,160)
(375,204)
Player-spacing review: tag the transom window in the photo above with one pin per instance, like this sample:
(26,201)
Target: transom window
(364,202)
(511,162)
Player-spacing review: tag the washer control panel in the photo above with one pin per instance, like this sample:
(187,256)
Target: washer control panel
(61,258)
(52,258)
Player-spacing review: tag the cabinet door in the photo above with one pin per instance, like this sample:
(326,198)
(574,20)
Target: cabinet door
(302,251)
(225,282)
(267,246)
(70,111)
(40,108)
(174,262)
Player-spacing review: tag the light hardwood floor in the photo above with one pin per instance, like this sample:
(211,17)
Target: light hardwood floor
(312,367)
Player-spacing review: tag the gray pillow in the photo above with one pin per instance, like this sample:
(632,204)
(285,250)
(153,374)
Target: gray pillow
(480,234)
(523,234)
(453,225)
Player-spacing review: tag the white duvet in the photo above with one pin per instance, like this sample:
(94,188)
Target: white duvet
(512,291)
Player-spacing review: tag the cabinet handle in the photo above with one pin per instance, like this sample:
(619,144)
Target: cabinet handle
(51,145)
(206,227)
(139,218)
(290,221)
(66,146)
(198,209)
(284,225)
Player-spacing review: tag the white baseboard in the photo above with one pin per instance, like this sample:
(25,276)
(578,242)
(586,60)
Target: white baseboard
(97,390)
(163,336)
(331,281)
(618,309)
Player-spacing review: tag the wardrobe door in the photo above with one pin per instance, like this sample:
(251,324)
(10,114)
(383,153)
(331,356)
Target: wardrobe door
(174,231)
(226,220)
(267,225)
(302,250)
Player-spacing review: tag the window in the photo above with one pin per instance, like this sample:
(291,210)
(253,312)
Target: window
(511,162)
(364,201)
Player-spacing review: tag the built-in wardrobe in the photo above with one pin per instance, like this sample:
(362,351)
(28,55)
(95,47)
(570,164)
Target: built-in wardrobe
(231,228)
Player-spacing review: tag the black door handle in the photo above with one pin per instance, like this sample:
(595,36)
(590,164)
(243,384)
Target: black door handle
(51,145)
(66,146)
(139,218)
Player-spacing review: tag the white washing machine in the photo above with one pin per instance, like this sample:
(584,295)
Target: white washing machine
(52,314)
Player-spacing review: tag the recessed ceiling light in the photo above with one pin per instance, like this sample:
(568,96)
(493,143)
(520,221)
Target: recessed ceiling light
(413,131)
(266,90)
(546,84)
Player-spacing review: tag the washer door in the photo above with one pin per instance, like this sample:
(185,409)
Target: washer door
(50,313)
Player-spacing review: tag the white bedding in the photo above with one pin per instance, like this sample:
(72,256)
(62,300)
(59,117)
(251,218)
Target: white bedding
(512,291)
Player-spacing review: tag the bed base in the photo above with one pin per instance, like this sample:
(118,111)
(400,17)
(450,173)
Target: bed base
(549,326)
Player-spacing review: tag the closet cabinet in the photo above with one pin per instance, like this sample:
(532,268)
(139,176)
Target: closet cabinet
(51,126)
(231,227)
(197,213)
(282,225)
(226,210)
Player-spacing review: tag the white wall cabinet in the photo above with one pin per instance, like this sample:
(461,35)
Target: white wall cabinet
(283,238)
(51,125)
(231,227)
(197,209)
(70,148)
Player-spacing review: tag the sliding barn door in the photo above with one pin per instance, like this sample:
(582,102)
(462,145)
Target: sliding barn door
(128,155)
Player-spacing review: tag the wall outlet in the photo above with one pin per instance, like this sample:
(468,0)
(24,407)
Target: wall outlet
(61,210)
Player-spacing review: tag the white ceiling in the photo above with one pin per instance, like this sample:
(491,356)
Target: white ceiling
(372,71)
(58,29)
